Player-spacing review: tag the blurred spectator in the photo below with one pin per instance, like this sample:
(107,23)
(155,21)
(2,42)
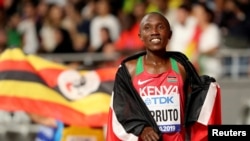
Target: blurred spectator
(139,11)
(103,18)
(88,10)
(14,37)
(63,41)
(128,40)
(41,12)
(105,39)
(186,34)
(107,47)
(183,29)
(54,14)
(27,27)
(234,23)
(54,38)
(209,41)
(78,26)
(2,18)
(164,8)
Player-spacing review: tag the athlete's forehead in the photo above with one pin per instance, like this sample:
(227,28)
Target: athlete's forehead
(154,17)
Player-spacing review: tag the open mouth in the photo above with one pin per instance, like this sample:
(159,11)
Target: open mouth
(155,40)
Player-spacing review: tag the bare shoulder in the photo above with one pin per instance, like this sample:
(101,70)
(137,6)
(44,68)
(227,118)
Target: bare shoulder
(131,65)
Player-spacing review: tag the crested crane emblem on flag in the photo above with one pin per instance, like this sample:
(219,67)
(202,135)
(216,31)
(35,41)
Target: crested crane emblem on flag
(74,86)
(75,97)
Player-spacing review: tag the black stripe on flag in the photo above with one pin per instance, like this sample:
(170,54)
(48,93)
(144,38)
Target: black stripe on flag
(21,76)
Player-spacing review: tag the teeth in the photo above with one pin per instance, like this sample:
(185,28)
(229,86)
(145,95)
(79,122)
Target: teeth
(155,40)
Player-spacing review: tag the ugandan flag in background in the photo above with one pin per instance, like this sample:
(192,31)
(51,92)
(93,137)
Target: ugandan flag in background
(36,85)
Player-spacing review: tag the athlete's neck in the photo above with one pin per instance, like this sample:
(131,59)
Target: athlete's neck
(155,60)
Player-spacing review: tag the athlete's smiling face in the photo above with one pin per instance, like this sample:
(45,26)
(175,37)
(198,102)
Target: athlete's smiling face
(155,31)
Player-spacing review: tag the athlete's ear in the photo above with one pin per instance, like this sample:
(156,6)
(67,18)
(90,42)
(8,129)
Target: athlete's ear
(170,34)
(139,35)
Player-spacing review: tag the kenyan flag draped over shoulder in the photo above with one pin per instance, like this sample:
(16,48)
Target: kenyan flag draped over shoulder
(36,85)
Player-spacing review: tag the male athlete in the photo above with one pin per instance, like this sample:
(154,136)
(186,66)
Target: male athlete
(148,100)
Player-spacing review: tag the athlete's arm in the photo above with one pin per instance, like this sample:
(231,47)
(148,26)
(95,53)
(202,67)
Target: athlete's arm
(148,133)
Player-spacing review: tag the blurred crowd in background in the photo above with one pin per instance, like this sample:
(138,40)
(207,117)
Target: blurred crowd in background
(108,26)
(76,26)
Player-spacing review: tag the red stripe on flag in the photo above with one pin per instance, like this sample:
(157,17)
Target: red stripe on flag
(14,65)
(110,135)
(216,117)
(106,74)
(50,76)
(57,111)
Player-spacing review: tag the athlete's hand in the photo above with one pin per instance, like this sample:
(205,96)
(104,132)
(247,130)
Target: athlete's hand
(148,134)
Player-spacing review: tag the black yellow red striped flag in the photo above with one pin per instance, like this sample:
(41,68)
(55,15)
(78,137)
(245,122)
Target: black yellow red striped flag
(36,85)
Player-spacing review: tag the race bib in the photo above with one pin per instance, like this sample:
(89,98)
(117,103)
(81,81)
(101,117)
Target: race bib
(166,111)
